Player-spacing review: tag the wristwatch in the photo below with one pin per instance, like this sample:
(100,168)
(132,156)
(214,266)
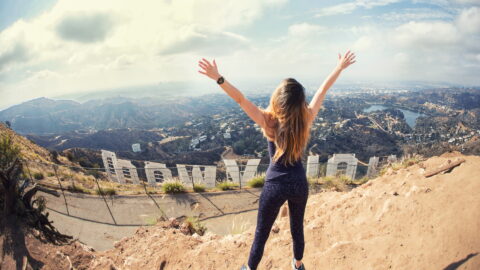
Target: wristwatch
(220,80)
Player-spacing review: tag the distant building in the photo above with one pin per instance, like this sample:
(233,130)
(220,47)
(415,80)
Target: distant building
(227,135)
(136,147)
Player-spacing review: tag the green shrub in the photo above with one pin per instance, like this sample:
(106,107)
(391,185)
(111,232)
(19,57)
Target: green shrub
(338,184)
(256,182)
(95,173)
(313,183)
(50,174)
(78,189)
(195,226)
(38,176)
(198,188)
(173,187)
(106,191)
(150,221)
(227,185)
(361,181)
(345,179)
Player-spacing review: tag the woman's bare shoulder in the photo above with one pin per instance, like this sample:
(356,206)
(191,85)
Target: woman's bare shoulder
(270,127)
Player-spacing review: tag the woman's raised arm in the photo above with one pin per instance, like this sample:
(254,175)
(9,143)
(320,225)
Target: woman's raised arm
(317,100)
(211,71)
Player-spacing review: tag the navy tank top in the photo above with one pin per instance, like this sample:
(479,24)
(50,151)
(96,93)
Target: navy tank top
(277,169)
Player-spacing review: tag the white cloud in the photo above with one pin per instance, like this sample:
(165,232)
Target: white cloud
(416,14)
(126,42)
(469,20)
(305,29)
(349,7)
(345,8)
(468,2)
(425,34)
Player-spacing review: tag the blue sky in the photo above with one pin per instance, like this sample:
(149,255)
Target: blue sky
(56,48)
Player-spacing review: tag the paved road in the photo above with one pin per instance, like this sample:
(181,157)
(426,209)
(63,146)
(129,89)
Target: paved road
(88,218)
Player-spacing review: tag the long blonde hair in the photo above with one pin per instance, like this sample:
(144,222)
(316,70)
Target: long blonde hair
(289,119)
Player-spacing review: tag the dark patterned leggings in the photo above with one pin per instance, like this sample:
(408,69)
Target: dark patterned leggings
(273,195)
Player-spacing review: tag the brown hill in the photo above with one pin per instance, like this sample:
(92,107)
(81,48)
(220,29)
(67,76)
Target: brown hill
(401,220)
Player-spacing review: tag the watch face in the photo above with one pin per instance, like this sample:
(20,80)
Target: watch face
(220,80)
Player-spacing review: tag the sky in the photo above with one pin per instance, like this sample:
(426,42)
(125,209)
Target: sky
(58,48)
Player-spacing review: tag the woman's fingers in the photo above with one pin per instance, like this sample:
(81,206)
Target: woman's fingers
(204,73)
(214,64)
(202,65)
(206,61)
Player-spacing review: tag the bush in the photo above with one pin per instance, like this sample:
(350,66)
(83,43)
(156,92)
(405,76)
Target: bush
(106,191)
(337,184)
(345,179)
(198,188)
(95,173)
(195,226)
(313,183)
(361,181)
(50,174)
(173,187)
(227,185)
(38,176)
(78,189)
(256,182)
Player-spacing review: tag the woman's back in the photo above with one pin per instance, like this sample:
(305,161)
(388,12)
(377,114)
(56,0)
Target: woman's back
(277,169)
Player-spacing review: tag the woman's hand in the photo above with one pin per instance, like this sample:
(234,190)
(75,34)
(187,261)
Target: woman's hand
(208,69)
(345,60)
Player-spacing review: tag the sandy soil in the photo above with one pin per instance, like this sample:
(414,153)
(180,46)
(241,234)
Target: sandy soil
(401,220)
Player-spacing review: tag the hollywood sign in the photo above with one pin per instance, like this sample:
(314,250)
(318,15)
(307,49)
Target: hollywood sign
(123,171)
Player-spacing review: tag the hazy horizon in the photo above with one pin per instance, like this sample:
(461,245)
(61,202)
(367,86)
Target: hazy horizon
(70,48)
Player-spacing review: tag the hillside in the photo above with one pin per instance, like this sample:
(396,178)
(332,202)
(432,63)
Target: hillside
(39,163)
(400,220)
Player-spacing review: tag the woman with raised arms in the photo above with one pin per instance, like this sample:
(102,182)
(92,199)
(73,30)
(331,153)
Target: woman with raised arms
(286,125)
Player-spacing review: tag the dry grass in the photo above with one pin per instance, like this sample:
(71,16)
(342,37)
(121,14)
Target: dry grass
(199,188)
(173,187)
(227,185)
(404,162)
(256,182)
(195,226)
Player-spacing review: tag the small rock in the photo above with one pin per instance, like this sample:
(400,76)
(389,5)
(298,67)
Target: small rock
(184,228)
(173,222)
(395,193)
(275,228)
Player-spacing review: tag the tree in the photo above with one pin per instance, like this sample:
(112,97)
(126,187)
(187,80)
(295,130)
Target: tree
(54,155)
(17,204)
(9,125)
